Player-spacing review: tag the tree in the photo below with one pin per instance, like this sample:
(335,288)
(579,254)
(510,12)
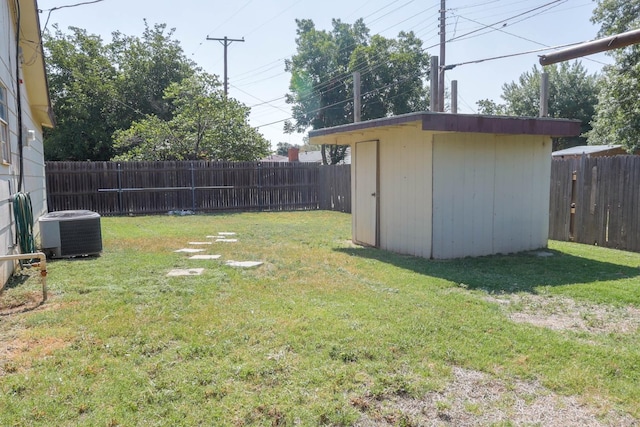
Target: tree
(83,94)
(393,72)
(572,95)
(617,118)
(147,66)
(98,88)
(204,125)
(490,107)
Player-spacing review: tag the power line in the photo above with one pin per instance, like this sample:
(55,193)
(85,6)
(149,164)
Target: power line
(63,7)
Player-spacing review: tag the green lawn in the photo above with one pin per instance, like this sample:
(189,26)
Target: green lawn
(305,338)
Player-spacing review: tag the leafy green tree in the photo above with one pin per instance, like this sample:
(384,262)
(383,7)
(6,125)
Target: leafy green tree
(99,88)
(573,94)
(617,118)
(146,67)
(393,72)
(204,125)
(83,94)
(490,107)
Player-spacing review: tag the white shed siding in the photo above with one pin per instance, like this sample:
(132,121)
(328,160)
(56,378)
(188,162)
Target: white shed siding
(405,191)
(493,201)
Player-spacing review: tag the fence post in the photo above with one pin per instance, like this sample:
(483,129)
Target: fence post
(193,188)
(260,194)
(120,207)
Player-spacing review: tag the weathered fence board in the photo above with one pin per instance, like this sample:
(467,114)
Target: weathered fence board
(335,185)
(121,188)
(606,194)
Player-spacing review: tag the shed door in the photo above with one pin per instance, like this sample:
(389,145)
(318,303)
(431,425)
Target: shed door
(366,193)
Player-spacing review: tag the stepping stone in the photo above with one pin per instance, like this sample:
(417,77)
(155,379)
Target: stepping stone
(226,233)
(185,272)
(190,250)
(205,257)
(199,243)
(227,240)
(244,264)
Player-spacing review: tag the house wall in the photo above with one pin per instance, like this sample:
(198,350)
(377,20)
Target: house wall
(491,194)
(34,177)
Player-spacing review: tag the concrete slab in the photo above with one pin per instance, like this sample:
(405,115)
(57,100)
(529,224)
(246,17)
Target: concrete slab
(244,264)
(205,257)
(189,250)
(227,240)
(185,272)
(200,243)
(226,233)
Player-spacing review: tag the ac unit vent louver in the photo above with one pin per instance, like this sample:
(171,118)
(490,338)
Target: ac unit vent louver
(70,233)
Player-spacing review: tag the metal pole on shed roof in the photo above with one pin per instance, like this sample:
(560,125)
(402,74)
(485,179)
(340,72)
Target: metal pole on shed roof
(433,102)
(544,95)
(357,105)
(454,96)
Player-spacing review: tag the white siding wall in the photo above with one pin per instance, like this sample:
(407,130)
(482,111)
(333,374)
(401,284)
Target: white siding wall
(34,182)
(405,191)
(491,194)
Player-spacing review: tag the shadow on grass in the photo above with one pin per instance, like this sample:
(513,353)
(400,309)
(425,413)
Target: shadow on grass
(521,272)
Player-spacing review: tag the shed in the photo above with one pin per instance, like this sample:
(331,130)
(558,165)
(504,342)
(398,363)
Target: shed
(443,186)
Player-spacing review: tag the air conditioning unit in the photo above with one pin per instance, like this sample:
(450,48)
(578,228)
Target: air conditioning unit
(70,233)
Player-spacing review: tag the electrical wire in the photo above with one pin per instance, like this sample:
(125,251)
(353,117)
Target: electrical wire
(324,87)
(64,7)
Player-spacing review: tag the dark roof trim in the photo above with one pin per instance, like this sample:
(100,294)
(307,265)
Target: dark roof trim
(470,123)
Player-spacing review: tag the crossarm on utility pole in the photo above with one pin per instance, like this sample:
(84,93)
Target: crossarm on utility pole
(225,41)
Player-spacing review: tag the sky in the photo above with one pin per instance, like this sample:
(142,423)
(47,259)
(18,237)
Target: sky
(477,30)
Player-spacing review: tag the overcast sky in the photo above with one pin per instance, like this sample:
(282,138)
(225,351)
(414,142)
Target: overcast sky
(256,66)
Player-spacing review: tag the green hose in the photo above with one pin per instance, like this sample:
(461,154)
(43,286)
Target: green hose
(23,214)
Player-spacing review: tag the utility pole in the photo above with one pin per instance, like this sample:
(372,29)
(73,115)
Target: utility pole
(226,42)
(443,9)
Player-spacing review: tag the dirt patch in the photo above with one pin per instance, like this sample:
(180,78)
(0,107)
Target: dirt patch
(474,398)
(17,354)
(26,301)
(561,313)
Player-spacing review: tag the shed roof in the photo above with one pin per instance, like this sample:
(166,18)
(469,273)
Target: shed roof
(585,149)
(446,122)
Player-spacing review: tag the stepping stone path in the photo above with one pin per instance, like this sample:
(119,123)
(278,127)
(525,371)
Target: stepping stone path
(243,264)
(222,237)
(205,257)
(185,272)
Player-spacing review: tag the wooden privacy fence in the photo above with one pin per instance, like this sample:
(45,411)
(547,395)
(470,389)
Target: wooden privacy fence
(122,188)
(596,201)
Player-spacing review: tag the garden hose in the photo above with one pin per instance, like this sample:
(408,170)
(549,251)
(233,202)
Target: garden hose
(23,214)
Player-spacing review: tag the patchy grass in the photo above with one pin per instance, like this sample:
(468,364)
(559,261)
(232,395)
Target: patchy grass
(324,333)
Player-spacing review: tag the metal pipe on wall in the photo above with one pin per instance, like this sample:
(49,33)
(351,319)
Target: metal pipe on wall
(42,264)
